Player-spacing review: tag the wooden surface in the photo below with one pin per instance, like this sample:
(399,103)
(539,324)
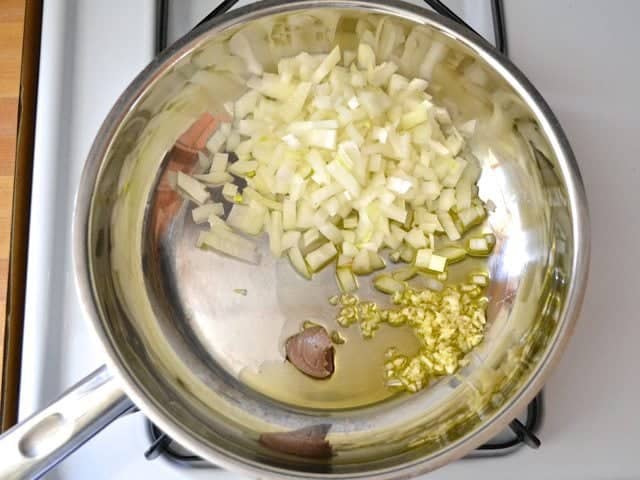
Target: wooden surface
(11,28)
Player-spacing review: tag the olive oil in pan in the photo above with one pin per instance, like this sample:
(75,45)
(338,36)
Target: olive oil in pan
(356,382)
(358,379)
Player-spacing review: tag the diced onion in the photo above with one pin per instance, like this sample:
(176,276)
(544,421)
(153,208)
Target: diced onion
(217,223)
(219,162)
(248,219)
(229,191)
(298,263)
(347,282)
(342,156)
(290,239)
(388,284)
(416,238)
(452,254)
(229,246)
(214,178)
(404,274)
(192,188)
(201,214)
(376,262)
(215,143)
(204,160)
(480,246)
(423,257)
(321,256)
(449,227)
(362,263)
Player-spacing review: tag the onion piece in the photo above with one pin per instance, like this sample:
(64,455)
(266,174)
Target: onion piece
(192,188)
(228,246)
(298,263)
(388,284)
(449,227)
(275,233)
(452,254)
(290,238)
(437,263)
(216,141)
(296,101)
(230,192)
(246,104)
(416,238)
(219,162)
(251,194)
(344,261)
(321,256)
(362,263)
(289,214)
(247,218)
(347,282)
(479,247)
(217,223)
(366,57)
(331,232)
(327,65)
(376,262)
(404,274)
(243,167)
(407,253)
(201,214)
(344,178)
(479,278)
(349,248)
(214,178)
(204,161)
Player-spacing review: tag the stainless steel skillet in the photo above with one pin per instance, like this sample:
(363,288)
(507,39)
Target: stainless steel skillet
(175,337)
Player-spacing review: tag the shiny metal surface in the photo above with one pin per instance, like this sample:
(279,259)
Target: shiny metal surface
(40,442)
(176,336)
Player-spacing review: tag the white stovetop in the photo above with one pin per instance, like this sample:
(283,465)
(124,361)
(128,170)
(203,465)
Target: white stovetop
(582,56)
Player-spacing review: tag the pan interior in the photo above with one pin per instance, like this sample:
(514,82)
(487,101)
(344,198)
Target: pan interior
(196,349)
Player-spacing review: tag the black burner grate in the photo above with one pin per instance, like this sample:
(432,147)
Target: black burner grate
(524,433)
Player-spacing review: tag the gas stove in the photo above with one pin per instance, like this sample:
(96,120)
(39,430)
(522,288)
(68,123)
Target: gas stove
(92,50)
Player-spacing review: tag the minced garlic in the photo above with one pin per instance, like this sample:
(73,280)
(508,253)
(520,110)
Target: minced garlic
(447,324)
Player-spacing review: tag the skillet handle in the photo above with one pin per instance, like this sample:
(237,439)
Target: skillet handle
(40,442)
